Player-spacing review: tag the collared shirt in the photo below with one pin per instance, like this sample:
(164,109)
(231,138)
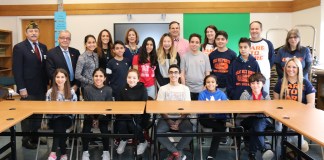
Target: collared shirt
(182,46)
(63,50)
(40,51)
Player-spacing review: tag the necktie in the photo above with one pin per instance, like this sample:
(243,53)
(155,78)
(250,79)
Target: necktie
(68,62)
(37,52)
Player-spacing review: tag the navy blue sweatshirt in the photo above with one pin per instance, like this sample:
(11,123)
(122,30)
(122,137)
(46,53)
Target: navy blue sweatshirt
(238,77)
(220,62)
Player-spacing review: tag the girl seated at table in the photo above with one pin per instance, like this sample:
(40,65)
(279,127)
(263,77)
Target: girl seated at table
(293,86)
(133,91)
(97,92)
(60,91)
(215,121)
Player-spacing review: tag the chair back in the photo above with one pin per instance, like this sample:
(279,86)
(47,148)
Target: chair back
(3,93)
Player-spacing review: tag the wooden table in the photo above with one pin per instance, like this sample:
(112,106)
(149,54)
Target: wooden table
(12,112)
(301,118)
(297,116)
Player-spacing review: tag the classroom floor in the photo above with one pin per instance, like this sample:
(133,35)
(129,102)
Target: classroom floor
(224,152)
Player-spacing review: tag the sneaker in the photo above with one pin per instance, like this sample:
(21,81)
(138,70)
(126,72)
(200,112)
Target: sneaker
(252,156)
(305,146)
(141,148)
(64,157)
(105,155)
(170,157)
(203,141)
(267,154)
(179,156)
(85,155)
(209,158)
(121,147)
(52,156)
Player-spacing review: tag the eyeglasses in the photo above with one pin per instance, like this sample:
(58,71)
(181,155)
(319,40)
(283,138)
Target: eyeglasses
(173,73)
(65,38)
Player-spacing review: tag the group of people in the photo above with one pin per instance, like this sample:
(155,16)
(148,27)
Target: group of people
(175,69)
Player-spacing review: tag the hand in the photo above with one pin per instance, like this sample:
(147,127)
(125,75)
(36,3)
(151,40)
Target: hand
(23,93)
(174,127)
(75,88)
(170,122)
(95,123)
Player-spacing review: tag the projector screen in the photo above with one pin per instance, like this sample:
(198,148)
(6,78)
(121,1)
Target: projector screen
(144,30)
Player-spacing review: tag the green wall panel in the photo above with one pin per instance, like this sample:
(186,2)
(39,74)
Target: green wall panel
(236,25)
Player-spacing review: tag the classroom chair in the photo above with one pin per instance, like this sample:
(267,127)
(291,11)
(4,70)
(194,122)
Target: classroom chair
(96,143)
(273,142)
(230,126)
(147,124)
(174,140)
(158,148)
(45,129)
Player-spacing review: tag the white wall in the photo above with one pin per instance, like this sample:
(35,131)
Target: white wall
(80,26)
(10,23)
(321,37)
(310,17)
(274,26)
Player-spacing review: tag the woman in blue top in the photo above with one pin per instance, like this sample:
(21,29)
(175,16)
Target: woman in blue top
(97,92)
(217,121)
(60,91)
(293,86)
(291,49)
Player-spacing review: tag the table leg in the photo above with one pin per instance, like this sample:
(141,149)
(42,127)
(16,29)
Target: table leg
(283,139)
(13,143)
(154,139)
(299,145)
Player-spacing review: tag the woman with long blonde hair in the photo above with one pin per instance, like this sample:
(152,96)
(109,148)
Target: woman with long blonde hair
(293,86)
(166,55)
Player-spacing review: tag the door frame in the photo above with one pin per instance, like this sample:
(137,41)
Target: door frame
(19,23)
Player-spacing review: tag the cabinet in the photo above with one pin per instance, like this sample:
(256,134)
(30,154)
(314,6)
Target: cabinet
(320,88)
(5,53)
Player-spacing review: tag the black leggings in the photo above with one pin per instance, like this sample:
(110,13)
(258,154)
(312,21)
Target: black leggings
(126,124)
(59,125)
(103,126)
(217,126)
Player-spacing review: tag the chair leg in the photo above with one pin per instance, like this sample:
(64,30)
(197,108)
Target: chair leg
(200,147)
(192,148)
(38,145)
(72,147)
(322,152)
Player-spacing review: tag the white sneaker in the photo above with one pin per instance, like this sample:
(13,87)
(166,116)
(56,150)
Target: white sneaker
(305,146)
(85,155)
(121,147)
(267,155)
(141,148)
(52,156)
(64,157)
(105,155)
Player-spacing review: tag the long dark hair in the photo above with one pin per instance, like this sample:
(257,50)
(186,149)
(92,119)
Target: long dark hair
(206,39)
(67,88)
(99,49)
(143,53)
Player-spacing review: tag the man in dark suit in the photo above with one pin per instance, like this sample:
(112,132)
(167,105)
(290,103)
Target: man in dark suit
(29,70)
(63,56)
